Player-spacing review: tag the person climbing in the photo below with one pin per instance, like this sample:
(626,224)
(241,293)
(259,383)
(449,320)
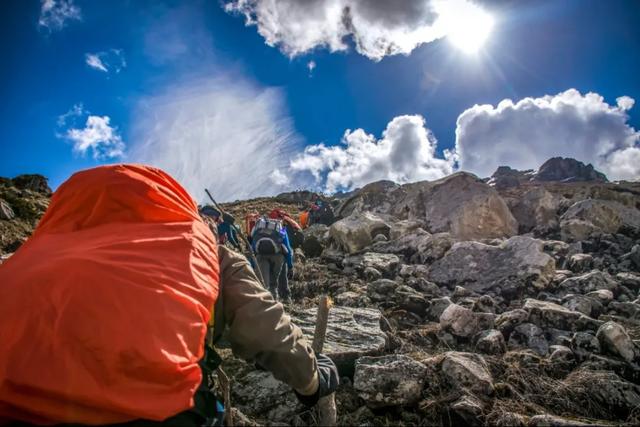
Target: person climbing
(294,230)
(109,311)
(274,254)
(320,212)
(226,227)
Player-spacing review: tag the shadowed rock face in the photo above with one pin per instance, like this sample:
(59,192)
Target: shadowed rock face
(568,170)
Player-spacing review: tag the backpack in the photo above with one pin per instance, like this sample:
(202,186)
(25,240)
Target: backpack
(110,300)
(268,235)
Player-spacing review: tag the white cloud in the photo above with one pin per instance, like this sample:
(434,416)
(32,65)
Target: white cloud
(378,27)
(405,153)
(99,137)
(525,134)
(311,65)
(279,178)
(76,111)
(223,134)
(54,14)
(106,61)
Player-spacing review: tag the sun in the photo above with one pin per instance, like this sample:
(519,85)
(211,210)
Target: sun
(468,28)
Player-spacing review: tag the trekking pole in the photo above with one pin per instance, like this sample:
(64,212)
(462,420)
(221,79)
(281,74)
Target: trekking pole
(327,413)
(244,240)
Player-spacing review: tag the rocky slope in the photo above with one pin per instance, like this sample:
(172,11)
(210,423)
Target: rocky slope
(468,301)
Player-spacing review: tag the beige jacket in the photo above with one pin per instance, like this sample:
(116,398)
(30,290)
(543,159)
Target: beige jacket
(259,329)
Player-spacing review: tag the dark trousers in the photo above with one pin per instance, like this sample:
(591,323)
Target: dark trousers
(274,273)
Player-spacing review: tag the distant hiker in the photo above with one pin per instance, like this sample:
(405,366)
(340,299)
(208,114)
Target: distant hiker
(321,212)
(226,227)
(108,313)
(294,230)
(275,256)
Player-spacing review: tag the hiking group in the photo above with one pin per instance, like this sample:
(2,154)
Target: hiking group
(110,311)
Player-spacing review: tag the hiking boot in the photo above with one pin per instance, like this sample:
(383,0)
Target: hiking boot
(287,301)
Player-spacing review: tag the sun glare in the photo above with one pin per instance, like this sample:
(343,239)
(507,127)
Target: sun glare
(468,29)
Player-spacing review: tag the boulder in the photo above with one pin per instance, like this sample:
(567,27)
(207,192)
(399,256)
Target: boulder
(468,409)
(584,344)
(535,208)
(549,315)
(606,216)
(467,372)
(580,263)
(491,342)
(515,265)
(630,280)
(575,230)
(6,212)
(438,306)
(392,380)
(404,227)
(458,321)
(316,238)
(586,305)
(615,340)
(418,246)
(357,231)
(351,333)
(462,205)
(588,282)
(387,264)
(529,336)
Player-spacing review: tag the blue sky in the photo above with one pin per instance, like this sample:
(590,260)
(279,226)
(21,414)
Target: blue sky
(247,110)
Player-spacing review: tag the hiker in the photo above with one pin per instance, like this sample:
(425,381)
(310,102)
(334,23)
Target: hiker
(320,212)
(294,230)
(274,254)
(226,227)
(109,311)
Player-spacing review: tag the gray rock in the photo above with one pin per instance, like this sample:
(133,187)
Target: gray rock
(418,246)
(316,238)
(575,230)
(438,306)
(529,336)
(485,304)
(458,321)
(630,310)
(491,342)
(348,298)
(580,263)
(404,227)
(381,290)
(511,267)
(6,213)
(584,344)
(351,333)
(507,321)
(589,282)
(411,300)
(584,304)
(467,371)
(614,339)
(469,409)
(485,321)
(379,238)
(371,274)
(604,296)
(535,208)
(356,232)
(561,355)
(549,315)
(630,280)
(258,393)
(607,216)
(386,264)
(389,380)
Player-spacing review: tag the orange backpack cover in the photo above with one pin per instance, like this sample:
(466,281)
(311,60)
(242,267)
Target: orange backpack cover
(104,310)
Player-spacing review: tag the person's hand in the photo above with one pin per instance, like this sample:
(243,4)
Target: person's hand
(328,381)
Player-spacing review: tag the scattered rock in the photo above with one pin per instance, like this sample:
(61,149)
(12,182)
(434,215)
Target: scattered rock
(351,333)
(389,380)
(467,371)
(469,409)
(316,238)
(356,232)
(580,263)
(529,336)
(516,265)
(507,321)
(491,342)
(459,321)
(614,339)
(6,213)
(549,315)
(584,344)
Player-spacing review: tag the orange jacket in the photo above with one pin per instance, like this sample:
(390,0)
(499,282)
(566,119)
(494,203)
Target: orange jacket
(104,310)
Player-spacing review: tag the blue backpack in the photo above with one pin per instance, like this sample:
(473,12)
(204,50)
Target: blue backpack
(268,235)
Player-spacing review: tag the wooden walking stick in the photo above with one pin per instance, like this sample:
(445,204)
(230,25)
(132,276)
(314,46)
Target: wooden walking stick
(327,414)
